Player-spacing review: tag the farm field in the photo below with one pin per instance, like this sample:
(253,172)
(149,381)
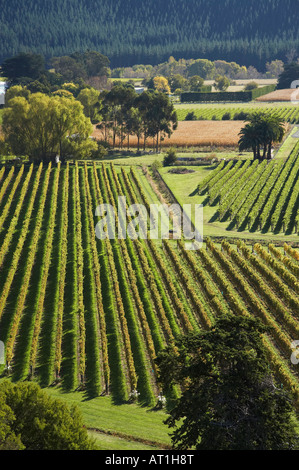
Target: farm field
(205,111)
(224,227)
(256,196)
(280,95)
(196,134)
(80,313)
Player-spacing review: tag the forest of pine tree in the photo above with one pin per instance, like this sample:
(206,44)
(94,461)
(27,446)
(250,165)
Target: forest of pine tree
(249,32)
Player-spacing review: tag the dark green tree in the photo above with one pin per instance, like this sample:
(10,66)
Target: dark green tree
(23,67)
(195,83)
(36,421)
(289,75)
(221,83)
(229,400)
(170,158)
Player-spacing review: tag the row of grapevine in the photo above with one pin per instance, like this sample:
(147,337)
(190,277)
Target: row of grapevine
(230,204)
(291,252)
(288,113)
(252,196)
(160,299)
(260,202)
(12,195)
(184,315)
(60,286)
(289,263)
(272,197)
(20,301)
(274,303)
(215,190)
(285,204)
(273,279)
(132,302)
(79,268)
(98,287)
(277,266)
(150,324)
(39,310)
(117,382)
(252,299)
(21,240)
(6,183)
(213,174)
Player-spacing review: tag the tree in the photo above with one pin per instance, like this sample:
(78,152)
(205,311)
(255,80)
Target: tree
(161,85)
(8,439)
(274,68)
(68,68)
(290,74)
(94,63)
(42,126)
(90,99)
(260,133)
(221,83)
(116,104)
(251,86)
(170,158)
(177,81)
(24,65)
(161,117)
(202,67)
(195,83)
(229,400)
(35,421)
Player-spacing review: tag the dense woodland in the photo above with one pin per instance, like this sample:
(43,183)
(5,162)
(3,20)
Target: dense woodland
(131,32)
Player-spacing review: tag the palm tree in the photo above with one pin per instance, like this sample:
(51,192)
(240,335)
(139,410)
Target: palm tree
(260,133)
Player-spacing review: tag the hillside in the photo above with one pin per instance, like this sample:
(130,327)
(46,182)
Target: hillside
(131,32)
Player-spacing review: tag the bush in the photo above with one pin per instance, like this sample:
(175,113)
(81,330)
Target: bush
(190,116)
(156,164)
(40,422)
(241,116)
(251,86)
(170,158)
(226,117)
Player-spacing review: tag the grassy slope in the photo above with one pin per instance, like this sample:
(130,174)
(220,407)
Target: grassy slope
(121,427)
(128,421)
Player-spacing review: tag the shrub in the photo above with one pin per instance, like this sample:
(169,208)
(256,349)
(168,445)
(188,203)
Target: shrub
(190,116)
(251,86)
(170,158)
(226,117)
(241,116)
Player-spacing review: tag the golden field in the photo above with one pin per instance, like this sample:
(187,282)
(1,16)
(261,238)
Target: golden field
(287,94)
(194,134)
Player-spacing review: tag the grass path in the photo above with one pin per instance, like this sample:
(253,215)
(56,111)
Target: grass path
(129,421)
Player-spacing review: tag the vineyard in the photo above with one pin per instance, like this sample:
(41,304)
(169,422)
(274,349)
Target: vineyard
(93,314)
(256,196)
(289,113)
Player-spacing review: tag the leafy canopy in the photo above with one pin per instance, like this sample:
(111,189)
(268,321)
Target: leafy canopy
(30,419)
(42,126)
(229,399)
